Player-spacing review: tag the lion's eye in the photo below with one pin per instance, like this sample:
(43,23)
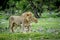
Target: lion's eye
(27,14)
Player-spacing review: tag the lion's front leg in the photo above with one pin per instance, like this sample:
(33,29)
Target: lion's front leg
(29,28)
(22,28)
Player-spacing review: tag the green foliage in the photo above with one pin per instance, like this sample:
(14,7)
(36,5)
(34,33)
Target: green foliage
(26,36)
(45,23)
(49,14)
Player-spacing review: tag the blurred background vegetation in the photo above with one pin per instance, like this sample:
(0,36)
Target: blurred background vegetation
(46,11)
(11,7)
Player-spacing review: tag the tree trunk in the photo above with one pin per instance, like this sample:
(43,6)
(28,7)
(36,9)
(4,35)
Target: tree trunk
(34,9)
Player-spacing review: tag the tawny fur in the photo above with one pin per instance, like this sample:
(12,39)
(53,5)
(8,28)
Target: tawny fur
(25,19)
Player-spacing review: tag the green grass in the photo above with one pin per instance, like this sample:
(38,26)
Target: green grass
(45,23)
(26,36)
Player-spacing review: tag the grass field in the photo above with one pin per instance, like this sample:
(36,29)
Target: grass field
(47,23)
(46,28)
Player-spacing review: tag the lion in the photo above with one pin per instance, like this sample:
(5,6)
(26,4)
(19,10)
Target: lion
(30,19)
(23,21)
(27,23)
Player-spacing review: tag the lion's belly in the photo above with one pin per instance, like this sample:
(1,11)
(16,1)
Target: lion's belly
(17,20)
